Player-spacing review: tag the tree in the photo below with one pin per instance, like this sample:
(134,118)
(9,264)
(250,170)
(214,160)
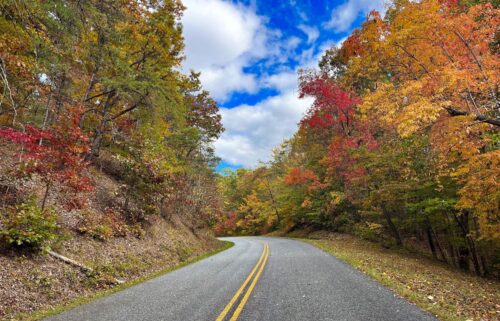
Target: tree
(56,155)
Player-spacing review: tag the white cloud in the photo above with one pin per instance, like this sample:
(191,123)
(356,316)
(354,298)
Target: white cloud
(293,42)
(283,82)
(253,131)
(343,16)
(222,81)
(311,32)
(221,39)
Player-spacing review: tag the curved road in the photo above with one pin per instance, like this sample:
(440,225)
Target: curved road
(260,278)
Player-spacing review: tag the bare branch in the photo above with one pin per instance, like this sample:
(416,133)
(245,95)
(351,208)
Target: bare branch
(480,117)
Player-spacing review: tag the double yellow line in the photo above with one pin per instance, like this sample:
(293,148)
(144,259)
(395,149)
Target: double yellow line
(260,267)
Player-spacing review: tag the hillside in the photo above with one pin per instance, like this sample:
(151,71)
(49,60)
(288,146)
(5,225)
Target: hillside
(98,236)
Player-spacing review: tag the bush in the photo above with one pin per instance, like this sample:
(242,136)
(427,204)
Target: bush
(344,222)
(103,226)
(368,231)
(28,226)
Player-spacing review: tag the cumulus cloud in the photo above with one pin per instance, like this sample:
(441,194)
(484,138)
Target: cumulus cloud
(224,80)
(343,16)
(253,131)
(221,39)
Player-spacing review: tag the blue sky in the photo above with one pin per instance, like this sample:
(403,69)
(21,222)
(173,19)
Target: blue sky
(249,51)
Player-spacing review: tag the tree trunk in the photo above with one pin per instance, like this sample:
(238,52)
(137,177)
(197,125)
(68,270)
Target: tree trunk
(392,226)
(99,131)
(475,259)
(59,101)
(456,255)
(450,235)
(273,200)
(440,248)
(431,242)
(481,259)
(463,251)
(46,195)
(470,247)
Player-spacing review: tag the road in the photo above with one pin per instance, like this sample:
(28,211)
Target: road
(265,279)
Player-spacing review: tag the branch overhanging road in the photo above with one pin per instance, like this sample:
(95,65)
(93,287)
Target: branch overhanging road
(260,278)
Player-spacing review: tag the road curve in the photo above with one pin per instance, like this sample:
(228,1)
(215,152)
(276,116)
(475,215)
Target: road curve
(260,278)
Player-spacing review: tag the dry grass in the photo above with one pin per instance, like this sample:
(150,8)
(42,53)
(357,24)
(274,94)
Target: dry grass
(447,293)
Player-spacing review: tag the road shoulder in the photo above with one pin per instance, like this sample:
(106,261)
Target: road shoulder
(449,294)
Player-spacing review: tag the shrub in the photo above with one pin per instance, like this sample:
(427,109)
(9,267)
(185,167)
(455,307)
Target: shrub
(103,226)
(28,226)
(344,222)
(368,231)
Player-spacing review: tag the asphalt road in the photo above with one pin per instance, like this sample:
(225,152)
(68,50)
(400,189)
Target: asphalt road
(265,279)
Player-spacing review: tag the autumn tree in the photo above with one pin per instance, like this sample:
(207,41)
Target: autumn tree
(56,155)
(401,141)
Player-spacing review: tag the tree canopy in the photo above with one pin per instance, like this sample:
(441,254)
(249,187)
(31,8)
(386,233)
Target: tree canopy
(401,142)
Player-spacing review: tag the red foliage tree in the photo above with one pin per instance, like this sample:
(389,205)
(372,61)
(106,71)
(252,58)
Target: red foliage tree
(334,110)
(449,3)
(333,107)
(56,155)
(304,177)
(227,226)
(300,176)
(351,47)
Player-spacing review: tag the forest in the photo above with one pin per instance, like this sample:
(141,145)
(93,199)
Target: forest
(99,84)
(401,144)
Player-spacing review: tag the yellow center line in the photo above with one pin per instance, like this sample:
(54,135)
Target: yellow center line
(228,307)
(250,289)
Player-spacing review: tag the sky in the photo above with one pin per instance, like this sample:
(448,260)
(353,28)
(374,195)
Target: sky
(249,52)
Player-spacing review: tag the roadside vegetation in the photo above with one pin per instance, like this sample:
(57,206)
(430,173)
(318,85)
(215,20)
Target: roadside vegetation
(165,265)
(34,286)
